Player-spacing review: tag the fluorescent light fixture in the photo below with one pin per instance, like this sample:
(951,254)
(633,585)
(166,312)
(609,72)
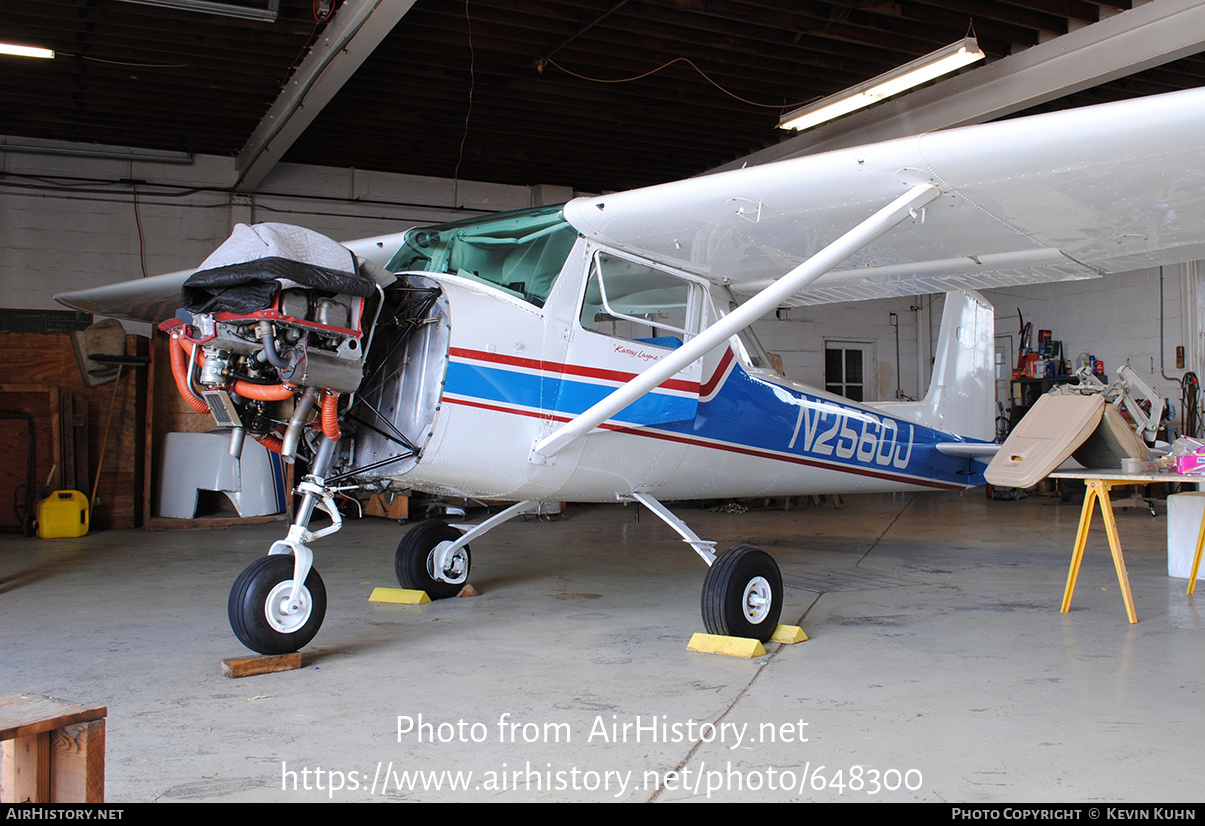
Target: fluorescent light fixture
(267,15)
(67,150)
(25,51)
(923,69)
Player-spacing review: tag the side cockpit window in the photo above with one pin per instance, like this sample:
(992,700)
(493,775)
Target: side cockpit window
(519,253)
(636,302)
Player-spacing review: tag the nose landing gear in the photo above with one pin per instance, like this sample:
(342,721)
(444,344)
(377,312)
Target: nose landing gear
(260,609)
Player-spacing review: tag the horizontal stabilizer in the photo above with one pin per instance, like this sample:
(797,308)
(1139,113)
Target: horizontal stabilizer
(1052,429)
(967,448)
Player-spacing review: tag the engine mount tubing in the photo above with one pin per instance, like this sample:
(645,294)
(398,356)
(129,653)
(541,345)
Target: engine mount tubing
(298,421)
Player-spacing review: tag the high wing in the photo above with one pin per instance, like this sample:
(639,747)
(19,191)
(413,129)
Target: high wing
(1064,196)
(1069,195)
(150,300)
(155,299)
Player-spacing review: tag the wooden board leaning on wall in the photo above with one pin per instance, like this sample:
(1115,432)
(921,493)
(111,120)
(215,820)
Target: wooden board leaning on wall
(39,374)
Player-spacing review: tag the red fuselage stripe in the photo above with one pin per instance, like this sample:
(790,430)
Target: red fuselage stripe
(708,388)
(567,369)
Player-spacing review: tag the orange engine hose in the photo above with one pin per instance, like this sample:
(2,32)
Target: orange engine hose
(180,374)
(271,441)
(330,416)
(263,392)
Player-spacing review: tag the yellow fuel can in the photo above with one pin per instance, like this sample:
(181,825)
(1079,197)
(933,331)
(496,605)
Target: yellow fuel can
(63,513)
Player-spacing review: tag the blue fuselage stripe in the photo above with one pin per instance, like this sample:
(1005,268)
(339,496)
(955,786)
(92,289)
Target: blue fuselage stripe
(748,414)
(559,394)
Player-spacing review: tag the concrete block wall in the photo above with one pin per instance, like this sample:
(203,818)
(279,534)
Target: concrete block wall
(799,338)
(1116,318)
(71,222)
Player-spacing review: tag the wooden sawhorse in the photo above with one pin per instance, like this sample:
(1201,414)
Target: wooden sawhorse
(1098,491)
(1099,483)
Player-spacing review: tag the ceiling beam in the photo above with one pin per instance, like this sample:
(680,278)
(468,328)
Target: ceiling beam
(355,31)
(1144,37)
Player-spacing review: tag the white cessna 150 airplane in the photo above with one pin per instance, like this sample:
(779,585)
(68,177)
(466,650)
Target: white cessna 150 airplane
(601,351)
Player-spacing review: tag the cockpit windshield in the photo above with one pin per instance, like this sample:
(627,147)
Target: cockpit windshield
(520,253)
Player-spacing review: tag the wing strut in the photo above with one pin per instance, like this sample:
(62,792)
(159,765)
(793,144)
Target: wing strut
(740,318)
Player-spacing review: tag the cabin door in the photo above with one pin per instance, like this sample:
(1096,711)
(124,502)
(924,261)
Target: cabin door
(631,315)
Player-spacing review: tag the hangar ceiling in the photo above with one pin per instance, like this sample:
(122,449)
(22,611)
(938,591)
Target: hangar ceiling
(508,91)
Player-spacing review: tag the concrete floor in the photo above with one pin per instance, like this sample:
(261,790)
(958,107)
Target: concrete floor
(938,661)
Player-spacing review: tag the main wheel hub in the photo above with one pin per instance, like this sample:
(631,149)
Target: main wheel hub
(757,599)
(455,567)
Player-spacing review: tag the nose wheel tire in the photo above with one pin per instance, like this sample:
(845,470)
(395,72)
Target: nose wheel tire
(742,594)
(414,562)
(259,610)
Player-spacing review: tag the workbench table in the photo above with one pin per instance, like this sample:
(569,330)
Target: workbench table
(51,751)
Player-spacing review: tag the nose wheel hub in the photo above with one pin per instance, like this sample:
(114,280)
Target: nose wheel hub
(286,617)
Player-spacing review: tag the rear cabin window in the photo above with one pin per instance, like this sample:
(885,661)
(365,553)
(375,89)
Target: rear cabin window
(520,253)
(633,301)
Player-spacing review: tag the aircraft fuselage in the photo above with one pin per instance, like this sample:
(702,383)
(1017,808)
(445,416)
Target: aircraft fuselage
(722,427)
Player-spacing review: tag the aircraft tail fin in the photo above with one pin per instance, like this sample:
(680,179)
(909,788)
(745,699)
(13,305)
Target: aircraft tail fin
(961,396)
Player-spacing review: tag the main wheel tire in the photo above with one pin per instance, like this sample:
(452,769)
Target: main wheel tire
(257,606)
(742,594)
(413,563)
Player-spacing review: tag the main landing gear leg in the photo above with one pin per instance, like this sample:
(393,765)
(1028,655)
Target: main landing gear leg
(434,556)
(742,594)
(277,604)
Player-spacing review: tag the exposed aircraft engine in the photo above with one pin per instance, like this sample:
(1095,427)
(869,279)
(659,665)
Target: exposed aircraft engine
(275,315)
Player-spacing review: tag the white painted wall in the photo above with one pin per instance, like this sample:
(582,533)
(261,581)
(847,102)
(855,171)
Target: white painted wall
(799,338)
(1116,318)
(71,222)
